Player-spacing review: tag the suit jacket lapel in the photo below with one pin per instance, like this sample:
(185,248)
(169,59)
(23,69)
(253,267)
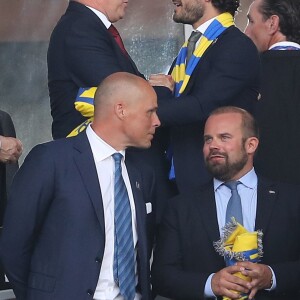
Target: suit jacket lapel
(140,206)
(266,198)
(193,78)
(85,162)
(206,206)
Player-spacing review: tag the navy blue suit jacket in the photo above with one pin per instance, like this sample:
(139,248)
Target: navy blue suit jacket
(184,256)
(227,74)
(81,54)
(53,238)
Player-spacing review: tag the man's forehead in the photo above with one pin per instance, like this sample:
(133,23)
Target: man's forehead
(254,7)
(223,122)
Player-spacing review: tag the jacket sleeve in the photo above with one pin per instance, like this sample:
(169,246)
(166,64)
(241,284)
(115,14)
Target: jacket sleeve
(227,75)
(169,279)
(28,202)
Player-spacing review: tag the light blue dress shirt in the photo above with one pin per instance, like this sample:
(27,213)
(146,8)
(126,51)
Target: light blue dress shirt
(247,190)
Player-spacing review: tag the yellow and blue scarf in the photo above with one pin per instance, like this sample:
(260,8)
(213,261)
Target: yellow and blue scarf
(182,73)
(84,103)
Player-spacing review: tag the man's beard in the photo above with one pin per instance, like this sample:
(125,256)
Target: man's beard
(227,170)
(189,14)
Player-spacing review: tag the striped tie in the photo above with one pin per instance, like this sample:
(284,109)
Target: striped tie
(124,263)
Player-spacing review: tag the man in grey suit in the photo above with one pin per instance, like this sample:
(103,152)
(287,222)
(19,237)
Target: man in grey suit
(59,237)
(186,265)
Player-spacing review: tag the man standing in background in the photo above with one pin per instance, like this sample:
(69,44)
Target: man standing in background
(274,26)
(222,70)
(83,50)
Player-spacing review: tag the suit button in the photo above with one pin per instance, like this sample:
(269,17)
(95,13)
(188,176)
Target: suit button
(98,259)
(90,292)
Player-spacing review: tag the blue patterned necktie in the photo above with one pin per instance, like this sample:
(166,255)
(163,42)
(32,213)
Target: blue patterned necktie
(124,266)
(234,206)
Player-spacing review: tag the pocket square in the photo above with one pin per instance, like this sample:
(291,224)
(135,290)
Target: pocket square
(148,207)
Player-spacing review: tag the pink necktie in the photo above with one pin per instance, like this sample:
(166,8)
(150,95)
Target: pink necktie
(113,30)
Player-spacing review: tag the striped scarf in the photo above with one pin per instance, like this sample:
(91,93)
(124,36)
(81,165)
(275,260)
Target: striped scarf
(182,73)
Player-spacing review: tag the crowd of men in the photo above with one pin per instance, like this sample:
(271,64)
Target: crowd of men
(172,163)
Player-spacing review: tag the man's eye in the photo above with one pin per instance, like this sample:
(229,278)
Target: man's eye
(225,138)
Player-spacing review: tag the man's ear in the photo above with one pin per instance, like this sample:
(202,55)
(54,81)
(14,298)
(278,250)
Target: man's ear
(120,110)
(251,144)
(273,24)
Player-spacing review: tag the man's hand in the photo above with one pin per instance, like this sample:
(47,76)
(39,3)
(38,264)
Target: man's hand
(10,150)
(260,274)
(162,80)
(224,283)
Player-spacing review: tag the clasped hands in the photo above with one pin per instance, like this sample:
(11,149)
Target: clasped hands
(225,283)
(10,150)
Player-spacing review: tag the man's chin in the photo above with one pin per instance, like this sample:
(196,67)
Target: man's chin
(217,170)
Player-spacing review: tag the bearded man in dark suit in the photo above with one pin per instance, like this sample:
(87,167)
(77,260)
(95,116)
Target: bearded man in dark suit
(186,265)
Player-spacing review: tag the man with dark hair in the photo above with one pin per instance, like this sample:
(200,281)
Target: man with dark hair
(186,265)
(274,24)
(218,66)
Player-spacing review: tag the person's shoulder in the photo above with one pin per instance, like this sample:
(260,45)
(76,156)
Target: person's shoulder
(283,189)
(235,44)
(5,117)
(235,35)
(76,17)
(187,200)
(59,147)
(4,114)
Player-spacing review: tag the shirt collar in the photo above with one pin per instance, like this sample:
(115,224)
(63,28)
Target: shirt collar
(101,150)
(101,16)
(205,25)
(285,44)
(249,180)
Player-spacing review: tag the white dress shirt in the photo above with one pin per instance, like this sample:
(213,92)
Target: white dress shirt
(101,16)
(285,44)
(106,288)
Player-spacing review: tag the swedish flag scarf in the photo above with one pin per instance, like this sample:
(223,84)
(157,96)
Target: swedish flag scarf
(84,103)
(181,73)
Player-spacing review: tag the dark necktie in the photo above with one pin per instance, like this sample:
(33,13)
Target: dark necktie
(194,37)
(124,266)
(115,33)
(234,206)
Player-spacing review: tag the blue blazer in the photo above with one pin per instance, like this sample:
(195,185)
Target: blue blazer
(184,256)
(81,54)
(53,239)
(227,74)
